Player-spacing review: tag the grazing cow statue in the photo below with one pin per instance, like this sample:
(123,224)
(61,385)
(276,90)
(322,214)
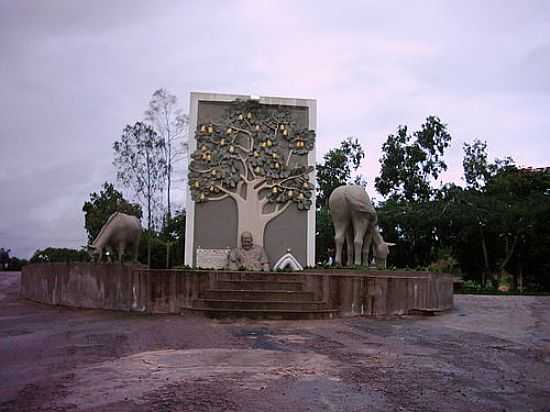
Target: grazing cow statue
(354,220)
(119,233)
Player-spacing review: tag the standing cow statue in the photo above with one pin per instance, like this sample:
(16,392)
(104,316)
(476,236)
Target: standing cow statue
(120,232)
(354,220)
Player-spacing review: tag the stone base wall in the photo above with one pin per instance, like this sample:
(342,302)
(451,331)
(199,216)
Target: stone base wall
(132,288)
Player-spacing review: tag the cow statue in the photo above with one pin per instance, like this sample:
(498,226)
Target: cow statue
(354,219)
(120,232)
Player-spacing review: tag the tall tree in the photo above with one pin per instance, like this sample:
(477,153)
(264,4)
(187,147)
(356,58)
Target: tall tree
(410,162)
(102,205)
(141,163)
(4,258)
(477,169)
(484,204)
(258,158)
(337,167)
(335,170)
(170,124)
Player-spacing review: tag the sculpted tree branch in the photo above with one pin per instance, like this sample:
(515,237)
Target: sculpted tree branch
(256,156)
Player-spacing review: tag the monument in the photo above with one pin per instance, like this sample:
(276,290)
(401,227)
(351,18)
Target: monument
(251,169)
(251,225)
(354,219)
(119,233)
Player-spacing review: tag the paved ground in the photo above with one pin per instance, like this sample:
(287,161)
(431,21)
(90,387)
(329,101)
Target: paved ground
(489,354)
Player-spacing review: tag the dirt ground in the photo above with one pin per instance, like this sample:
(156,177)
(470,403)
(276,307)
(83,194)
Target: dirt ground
(489,354)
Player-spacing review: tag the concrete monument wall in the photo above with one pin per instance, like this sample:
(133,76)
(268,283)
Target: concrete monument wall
(127,288)
(214,224)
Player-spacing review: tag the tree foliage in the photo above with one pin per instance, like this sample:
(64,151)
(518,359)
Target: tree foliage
(141,163)
(102,205)
(337,167)
(410,162)
(4,258)
(54,254)
(477,169)
(10,263)
(493,231)
(170,124)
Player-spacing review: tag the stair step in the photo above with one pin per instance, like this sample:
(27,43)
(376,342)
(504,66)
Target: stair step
(258,295)
(260,305)
(290,285)
(272,314)
(269,276)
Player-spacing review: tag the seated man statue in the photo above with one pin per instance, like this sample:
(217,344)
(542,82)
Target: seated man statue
(249,256)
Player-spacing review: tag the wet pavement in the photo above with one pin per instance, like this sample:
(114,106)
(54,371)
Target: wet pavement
(491,353)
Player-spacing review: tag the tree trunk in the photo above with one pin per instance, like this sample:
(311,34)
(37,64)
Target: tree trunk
(251,216)
(149,220)
(168,162)
(168,179)
(149,251)
(486,269)
(249,220)
(168,244)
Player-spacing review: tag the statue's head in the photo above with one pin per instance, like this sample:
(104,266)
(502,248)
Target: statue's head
(381,253)
(92,252)
(246,240)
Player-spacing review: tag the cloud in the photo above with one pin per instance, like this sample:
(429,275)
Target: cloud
(73,74)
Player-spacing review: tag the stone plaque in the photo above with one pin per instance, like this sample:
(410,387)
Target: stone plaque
(212,258)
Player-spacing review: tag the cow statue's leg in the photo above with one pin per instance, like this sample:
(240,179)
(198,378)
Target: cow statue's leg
(121,250)
(136,250)
(339,238)
(349,246)
(367,244)
(360,225)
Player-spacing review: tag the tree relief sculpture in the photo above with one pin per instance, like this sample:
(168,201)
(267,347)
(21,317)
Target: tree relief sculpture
(256,156)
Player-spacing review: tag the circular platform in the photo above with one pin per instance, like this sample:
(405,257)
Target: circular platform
(311,294)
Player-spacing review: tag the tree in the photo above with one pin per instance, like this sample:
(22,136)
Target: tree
(4,258)
(53,254)
(335,170)
(141,163)
(102,205)
(170,124)
(337,167)
(173,237)
(477,170)
(257,157)
(410,162)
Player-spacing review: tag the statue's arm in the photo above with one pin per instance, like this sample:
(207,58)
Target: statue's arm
(264,261)
(233,260)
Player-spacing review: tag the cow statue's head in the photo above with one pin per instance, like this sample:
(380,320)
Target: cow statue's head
(381,252)
(92,252)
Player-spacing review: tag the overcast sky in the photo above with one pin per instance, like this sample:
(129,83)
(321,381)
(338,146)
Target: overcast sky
(74,73)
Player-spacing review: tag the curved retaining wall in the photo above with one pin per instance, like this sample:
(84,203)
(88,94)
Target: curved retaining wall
(132,288)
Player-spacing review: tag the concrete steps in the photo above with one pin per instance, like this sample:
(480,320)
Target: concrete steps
(265,276)
(280,305)
(260,285)
(268,314)
(279,295)
(259,295)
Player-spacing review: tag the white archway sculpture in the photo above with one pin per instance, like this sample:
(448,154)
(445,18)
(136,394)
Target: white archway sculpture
(287,260)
